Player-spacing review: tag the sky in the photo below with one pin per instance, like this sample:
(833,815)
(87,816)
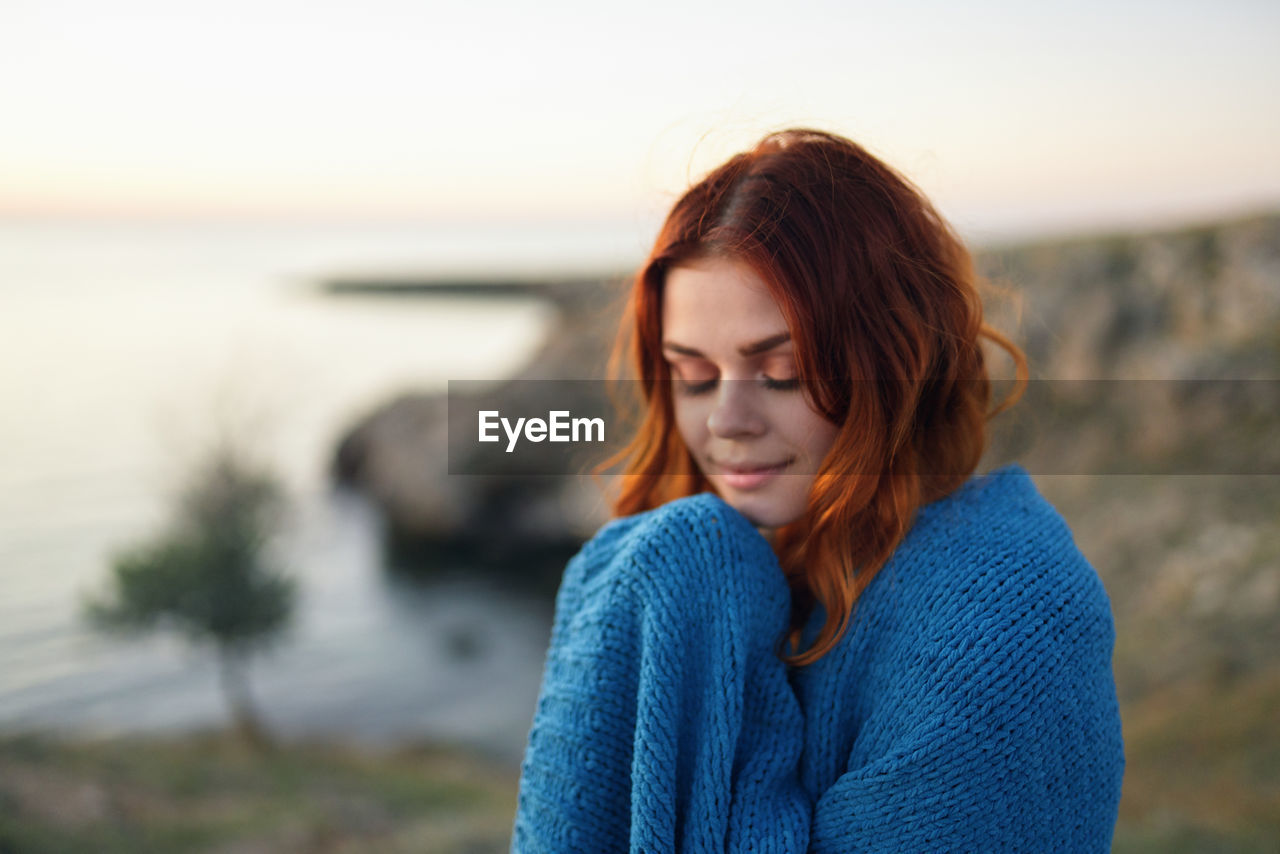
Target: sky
(1011,116)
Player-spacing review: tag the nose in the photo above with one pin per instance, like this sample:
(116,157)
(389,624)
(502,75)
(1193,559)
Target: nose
(736,413)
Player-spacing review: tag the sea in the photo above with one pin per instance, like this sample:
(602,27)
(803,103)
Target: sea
(128,345)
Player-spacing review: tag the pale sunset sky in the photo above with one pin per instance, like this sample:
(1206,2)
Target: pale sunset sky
(1011,116)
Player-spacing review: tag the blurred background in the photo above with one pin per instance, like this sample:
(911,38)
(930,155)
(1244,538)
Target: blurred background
(245,246)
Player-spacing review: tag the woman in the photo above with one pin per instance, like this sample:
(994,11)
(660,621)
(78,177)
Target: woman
(811,627)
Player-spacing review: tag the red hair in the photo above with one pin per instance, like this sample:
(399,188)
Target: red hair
(874,285)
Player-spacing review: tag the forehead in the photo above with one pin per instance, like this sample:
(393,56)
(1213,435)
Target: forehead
(718,299)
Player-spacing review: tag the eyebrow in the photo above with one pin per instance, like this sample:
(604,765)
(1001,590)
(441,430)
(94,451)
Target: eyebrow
(749,350)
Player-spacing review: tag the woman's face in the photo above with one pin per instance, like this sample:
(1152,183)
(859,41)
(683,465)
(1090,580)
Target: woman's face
(738,403)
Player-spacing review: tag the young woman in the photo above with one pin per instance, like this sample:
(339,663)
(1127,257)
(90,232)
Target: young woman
(812,627)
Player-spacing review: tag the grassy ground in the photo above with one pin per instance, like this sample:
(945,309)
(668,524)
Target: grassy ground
(1202,775)
(210,794)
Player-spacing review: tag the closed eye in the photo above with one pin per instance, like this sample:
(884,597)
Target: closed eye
(693,389)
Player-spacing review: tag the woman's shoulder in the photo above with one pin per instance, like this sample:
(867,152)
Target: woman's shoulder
(1003,500)
(997,552)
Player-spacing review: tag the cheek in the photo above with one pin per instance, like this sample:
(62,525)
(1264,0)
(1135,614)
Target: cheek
(814,433)
(691,422)
(691,415)
(828,433)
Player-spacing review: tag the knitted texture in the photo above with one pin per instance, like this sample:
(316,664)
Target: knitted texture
(970,706)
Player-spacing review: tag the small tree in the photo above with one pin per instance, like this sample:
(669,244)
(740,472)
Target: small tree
(209,576)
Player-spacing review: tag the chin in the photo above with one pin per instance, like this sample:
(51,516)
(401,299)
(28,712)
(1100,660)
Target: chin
(760,513)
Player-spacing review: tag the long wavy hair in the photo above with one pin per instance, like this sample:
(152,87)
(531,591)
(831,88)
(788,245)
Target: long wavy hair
(882,301)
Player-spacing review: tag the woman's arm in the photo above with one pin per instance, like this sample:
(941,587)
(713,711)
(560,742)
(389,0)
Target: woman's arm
(665,721)
(1017,743)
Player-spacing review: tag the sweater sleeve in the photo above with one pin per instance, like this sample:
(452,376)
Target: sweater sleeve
(665,722)
(1018,749)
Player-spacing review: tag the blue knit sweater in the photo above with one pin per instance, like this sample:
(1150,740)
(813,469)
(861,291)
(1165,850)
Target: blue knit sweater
(969,707)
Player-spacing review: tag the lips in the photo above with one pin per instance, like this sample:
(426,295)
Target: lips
(745,476)
(749,468)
